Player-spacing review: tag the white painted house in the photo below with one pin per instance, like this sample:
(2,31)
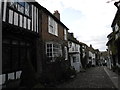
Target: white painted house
(91,60)
(74,52)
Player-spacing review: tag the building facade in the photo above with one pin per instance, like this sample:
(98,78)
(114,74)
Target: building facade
(20,37)
(114,39)
(74,52)
(54,39)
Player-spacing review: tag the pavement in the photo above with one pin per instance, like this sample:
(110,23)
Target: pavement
(94,77)
(113,76)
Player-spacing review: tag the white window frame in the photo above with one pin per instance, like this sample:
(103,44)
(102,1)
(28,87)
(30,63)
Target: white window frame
(66,53)
(21,21)
(32,17)
(4,10)
(56,51)
(25,24)
(10,16)
(29,23)
(52,26)
(65,34)
(15,18)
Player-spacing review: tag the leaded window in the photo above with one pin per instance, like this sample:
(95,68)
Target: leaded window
(21,6)
(27,9)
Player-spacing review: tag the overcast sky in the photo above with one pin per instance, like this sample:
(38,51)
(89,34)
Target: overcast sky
(89,20)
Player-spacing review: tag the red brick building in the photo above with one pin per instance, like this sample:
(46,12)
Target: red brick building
(54,37)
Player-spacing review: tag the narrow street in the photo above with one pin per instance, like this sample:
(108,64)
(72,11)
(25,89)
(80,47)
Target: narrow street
(95,77)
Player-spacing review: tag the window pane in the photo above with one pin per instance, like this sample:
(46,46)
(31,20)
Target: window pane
(35,19)
(15,19)
(29,21)
(21,20)
(65,34)
(56,29)
(10,16)
(13,4)
(66,54)
(20,8)
(27,9)
(52,27)
(32,18)
(21,2)
(74,59)
(4,10)
(24,22)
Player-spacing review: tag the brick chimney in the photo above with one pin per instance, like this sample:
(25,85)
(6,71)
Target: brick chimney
(57,14)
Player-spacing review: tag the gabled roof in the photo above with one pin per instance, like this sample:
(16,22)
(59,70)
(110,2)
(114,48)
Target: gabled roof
(72,38)
(110,34)
(91,49)
(117,15)
(48,12)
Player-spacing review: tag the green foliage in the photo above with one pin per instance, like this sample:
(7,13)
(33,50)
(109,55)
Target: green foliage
(58,71)
(39,85)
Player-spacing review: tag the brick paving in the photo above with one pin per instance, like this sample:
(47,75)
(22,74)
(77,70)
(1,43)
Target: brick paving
(94,77)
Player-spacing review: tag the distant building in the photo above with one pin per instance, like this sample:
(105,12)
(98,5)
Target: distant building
(92,60)
(104,58)
(84,54)
(97,57)
(74,52)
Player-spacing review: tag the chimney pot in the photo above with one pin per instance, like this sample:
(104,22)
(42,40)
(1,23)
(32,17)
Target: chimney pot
(57,14)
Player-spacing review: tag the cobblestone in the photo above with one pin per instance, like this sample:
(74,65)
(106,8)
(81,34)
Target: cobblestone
(94,77)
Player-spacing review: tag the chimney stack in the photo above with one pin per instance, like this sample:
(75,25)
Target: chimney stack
(91,45)
(57,14)
(71,34)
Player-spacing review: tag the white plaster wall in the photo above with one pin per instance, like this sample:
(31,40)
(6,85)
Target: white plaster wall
(74,47)
(77,64)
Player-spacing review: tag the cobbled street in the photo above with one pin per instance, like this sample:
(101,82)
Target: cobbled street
(94,77)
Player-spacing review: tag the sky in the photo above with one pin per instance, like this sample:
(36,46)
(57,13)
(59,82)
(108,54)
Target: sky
(89,20)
